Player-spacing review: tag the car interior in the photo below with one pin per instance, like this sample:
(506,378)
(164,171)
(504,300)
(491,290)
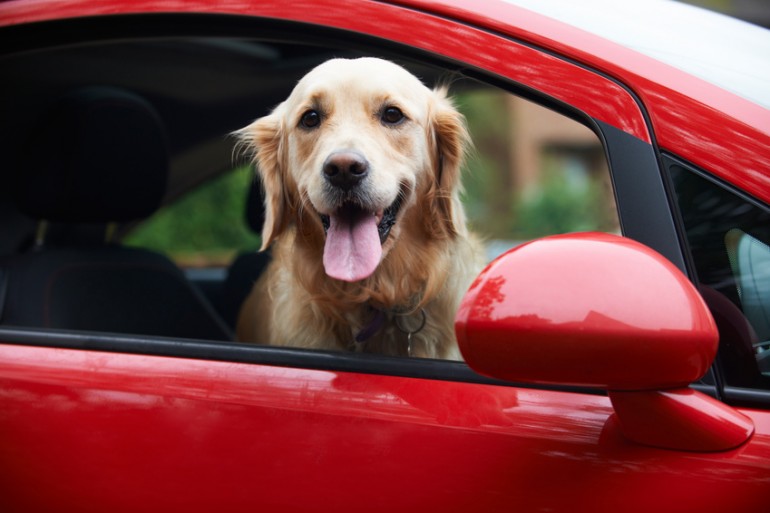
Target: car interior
(103,160)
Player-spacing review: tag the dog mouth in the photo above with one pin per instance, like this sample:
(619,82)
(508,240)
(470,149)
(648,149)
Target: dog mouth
(354,239)
(385,218)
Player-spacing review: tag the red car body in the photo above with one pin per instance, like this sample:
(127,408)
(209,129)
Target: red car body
(83,429)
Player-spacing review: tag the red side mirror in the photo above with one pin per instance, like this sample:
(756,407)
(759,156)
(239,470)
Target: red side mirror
(598,310)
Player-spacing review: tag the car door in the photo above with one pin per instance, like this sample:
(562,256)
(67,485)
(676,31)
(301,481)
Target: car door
(94,421)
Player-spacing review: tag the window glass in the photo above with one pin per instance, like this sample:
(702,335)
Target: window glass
(728,238)
(531,172)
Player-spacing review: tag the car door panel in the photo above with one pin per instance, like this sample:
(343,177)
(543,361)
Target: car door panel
(94,431)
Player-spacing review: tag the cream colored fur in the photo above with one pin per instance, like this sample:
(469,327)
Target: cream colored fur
(429,258)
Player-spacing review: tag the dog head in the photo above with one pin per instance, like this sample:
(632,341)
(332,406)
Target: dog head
(360,146)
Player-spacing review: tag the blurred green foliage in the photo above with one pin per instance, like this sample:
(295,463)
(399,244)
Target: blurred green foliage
(488,197)
(562,206)
(206,224)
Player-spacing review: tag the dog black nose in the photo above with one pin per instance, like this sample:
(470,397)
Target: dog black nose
(345,169)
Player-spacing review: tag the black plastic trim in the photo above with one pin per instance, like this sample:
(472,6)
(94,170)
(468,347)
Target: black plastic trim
(746,397)
(263,355)
(643,202)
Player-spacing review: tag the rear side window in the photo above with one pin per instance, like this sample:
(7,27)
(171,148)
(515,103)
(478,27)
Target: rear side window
(729,240)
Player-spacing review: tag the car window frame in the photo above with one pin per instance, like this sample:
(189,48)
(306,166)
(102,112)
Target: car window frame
(634,200)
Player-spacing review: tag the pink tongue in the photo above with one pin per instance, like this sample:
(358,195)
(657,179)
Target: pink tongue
(353,250)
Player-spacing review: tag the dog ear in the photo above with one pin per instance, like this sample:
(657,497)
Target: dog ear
(449,140)
(264,138)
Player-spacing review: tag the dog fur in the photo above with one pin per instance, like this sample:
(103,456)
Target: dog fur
(411,142)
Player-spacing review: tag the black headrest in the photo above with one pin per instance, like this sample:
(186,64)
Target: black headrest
(255,206)
(98,156)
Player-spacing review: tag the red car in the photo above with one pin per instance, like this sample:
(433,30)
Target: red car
(621,371)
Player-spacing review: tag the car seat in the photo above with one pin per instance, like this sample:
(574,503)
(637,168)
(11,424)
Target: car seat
(98,157)
(750,261)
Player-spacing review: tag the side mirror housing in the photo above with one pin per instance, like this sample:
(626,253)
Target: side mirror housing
(600,310)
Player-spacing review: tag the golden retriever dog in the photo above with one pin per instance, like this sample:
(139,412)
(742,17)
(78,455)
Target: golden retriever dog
(361,172)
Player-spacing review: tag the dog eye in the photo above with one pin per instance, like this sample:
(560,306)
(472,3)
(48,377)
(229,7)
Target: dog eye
(310,119)
(392,116)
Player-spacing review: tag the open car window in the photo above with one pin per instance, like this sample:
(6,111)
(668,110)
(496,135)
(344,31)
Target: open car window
(532,171)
